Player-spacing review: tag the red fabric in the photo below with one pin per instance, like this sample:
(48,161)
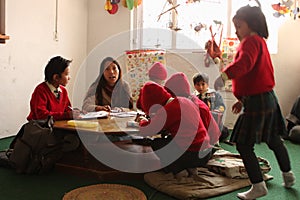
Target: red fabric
(157,71)
(178,85)
(44,103)
(252,70)
(152,93)
(180,118)
(138,101)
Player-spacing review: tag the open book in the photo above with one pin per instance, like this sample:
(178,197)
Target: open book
(123,114)
(94,115)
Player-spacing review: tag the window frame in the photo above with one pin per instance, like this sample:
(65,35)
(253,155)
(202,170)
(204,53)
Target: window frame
(137,33)
(137,26)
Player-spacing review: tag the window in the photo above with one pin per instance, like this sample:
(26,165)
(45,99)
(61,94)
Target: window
(176,24)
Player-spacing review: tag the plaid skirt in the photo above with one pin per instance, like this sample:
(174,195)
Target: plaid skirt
(260,121)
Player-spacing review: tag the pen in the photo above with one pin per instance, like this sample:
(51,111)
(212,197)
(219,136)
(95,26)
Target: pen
(73,109)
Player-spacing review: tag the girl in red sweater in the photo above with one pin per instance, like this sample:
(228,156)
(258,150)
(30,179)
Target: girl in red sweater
(50,98)
(189,143)
(252,78)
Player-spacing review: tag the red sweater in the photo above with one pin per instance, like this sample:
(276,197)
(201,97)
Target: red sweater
(180,118)
(44,103)
(252,70)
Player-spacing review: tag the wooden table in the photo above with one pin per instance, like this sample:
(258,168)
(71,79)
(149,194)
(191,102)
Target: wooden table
(107,126)
(81,161)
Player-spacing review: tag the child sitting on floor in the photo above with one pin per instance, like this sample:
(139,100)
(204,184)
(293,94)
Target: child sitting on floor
(212,99)
(157,73)
(178,85)
(188,145)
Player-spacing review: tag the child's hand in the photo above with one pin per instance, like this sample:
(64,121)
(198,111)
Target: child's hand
(76,114)
(140,118)
(237,107)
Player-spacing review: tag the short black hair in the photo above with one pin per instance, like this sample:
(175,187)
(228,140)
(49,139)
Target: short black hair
(255,19)
(200,77)
(56,65)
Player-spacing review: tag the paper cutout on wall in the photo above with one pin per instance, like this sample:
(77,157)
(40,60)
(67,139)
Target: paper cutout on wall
(137,64)
(228,48)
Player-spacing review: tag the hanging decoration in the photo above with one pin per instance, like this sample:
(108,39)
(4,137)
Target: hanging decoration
(111,6)
(296,10)
(213,50)
(199,27)
(130,4)
(192,1)
(210,1)
(171,24)
(285,7)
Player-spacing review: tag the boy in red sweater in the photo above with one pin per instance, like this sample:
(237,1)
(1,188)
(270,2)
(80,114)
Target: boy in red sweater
(189,144)
(50,98)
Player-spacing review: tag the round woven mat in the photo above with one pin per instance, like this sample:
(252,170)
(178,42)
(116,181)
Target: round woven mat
(105,192)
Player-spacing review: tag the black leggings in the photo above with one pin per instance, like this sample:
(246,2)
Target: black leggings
(251,163)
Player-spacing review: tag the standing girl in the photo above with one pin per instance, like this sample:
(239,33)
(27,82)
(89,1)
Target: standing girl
(252,77)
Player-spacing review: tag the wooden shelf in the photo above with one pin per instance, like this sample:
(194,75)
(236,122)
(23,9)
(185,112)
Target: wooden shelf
(4,37)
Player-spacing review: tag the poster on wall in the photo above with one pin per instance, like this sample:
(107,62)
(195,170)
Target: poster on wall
(137,64)
(228,47)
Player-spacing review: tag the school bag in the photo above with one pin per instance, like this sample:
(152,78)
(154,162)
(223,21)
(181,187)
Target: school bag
(35,149)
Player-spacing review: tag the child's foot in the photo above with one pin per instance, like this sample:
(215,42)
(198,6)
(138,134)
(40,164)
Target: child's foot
(257,190)
(192,171)
(181,175)
(288,179)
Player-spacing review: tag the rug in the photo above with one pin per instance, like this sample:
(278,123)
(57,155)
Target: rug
(206,183)
(105,192)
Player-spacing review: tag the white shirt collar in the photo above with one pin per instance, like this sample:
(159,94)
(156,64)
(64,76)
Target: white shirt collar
(52,88)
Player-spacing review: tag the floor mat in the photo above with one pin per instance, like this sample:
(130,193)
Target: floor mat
(105,192)
(206,183)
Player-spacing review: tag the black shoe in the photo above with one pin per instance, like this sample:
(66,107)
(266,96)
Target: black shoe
(224,134)
(4,161)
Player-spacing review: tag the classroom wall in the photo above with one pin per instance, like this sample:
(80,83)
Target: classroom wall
(107,35)
(30,25)
(287,64)
(86,34)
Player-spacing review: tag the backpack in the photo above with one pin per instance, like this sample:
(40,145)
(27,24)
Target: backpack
(35,148)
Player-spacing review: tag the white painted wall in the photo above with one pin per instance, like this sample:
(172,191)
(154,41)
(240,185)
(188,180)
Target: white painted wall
(30,25)
(86,34)
(287,65)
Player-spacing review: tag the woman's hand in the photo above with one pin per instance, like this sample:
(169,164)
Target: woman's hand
(104,108)
(117,109)
(237,107)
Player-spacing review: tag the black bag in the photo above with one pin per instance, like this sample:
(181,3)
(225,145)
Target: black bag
(35,149)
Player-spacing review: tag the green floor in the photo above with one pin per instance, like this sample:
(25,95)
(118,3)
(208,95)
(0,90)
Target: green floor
(53,186)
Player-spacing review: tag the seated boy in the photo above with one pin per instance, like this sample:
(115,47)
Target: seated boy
(212,99)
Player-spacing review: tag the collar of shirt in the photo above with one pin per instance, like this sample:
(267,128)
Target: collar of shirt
(54,89)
